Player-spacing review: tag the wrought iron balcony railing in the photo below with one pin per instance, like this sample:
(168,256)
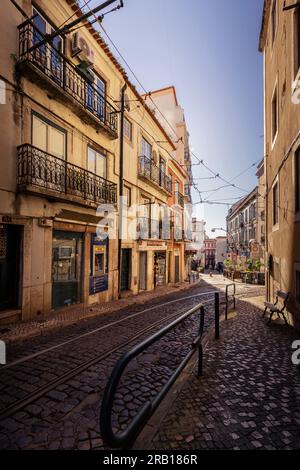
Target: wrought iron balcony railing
(62,73)
(41,172)
(152,172)
(179,199)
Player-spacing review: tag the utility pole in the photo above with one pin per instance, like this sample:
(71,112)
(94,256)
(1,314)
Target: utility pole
(64,29)
(121,186)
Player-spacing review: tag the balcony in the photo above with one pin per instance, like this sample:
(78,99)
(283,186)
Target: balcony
(178,234)
(51,70)
(147,169)
(44,174)
(179,199)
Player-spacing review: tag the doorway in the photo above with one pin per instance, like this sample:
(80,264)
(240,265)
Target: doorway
(10,242)
(125,269)
(66,268)
(159,268)
(143,271)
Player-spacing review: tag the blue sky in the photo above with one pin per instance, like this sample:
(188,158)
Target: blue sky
(209,51)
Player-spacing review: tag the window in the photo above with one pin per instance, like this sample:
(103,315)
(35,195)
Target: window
(297,40)
(297,177)
(146,149)
(127,195)
(276,271)
(99,257)
(128,129)
(96,96)
(176,189)
(298,286)
(96,162)
(275,204)
(48,137)
(145,218)
(274,20)
(274,114)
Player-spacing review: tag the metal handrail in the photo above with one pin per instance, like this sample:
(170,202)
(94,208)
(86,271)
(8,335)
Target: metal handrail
(126,437)
(226,298)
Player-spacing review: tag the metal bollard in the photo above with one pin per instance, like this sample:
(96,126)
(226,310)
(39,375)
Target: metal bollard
(217,315)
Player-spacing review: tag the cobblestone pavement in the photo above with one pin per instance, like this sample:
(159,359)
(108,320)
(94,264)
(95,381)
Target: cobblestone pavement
(248,397)
(67,416)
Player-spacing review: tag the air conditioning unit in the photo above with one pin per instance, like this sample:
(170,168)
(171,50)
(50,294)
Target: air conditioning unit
(82,49)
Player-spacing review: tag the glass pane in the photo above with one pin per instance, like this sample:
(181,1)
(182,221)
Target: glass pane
(91,160)
(56,60)
(39,133)
(56,144)
(38,33)
(127,129)
(146,149)
(39,22)
(127,195)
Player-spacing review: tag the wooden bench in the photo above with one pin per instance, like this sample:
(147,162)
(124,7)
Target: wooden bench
(274,308)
